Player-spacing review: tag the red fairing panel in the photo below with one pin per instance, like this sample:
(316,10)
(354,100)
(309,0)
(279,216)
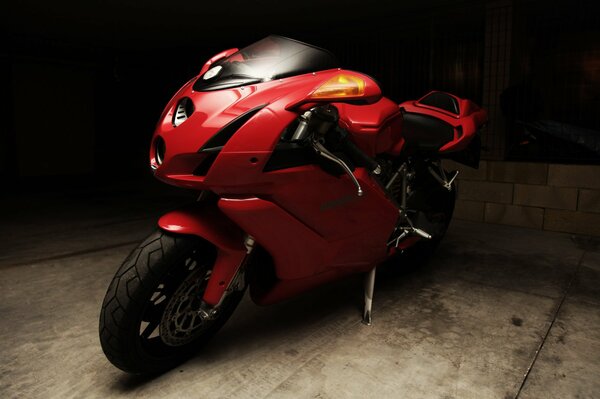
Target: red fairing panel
(213,111)
(345,235)
(375,129)
(465,124)
(330,207)
(297,250)
(288,288)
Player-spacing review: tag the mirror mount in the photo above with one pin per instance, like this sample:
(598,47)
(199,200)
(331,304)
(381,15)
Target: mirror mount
(216,58)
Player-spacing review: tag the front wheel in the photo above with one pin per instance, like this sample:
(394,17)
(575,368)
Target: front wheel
(150,320)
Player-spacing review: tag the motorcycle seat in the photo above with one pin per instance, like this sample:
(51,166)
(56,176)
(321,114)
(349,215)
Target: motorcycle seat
(425,132)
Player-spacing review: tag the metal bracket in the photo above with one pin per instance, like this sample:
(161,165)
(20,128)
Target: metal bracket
(400,170)
(410,229)
(442,178)
(302,129)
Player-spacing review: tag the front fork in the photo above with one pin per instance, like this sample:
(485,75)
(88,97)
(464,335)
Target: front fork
(237,282)
(205,220)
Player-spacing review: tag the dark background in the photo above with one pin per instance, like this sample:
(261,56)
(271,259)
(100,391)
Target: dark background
(83,83)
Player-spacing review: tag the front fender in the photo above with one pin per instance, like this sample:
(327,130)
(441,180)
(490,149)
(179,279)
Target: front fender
(206,221)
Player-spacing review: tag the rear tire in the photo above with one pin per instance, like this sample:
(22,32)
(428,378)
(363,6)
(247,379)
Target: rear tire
(148,322)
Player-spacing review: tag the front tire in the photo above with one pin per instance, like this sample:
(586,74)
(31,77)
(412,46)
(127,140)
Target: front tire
(149,321)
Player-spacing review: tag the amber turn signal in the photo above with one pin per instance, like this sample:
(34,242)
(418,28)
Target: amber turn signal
(340,86)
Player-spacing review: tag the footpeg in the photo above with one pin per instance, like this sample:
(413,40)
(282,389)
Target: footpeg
(406,231)
(421,233)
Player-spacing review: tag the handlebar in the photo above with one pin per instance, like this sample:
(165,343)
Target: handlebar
(359,157)
(316,123)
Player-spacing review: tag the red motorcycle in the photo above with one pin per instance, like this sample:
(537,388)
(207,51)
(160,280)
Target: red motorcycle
(306,174)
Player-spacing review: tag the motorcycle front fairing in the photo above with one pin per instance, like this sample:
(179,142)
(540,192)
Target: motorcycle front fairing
(312,223)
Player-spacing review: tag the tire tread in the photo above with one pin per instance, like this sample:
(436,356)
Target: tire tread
(123,300)
(132,285)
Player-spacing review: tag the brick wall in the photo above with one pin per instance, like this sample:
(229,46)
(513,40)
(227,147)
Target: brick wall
(541,196)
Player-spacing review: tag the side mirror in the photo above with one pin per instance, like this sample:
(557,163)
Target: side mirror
(216,58)
(343,87)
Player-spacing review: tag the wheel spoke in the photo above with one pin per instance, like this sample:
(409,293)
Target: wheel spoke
(149,329)
(154,311)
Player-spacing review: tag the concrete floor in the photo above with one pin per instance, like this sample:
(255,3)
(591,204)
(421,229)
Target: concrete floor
(499,312)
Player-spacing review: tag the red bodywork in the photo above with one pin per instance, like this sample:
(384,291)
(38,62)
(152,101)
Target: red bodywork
(312,223)
(466,123)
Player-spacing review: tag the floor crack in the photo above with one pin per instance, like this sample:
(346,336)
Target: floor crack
(67,255)
(554,316)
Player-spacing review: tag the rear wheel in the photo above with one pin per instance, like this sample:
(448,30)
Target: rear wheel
(150,320)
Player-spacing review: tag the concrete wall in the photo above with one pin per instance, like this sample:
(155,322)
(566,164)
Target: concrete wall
(542,196)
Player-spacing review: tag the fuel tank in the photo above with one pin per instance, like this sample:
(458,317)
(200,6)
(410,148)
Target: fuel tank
(376,128)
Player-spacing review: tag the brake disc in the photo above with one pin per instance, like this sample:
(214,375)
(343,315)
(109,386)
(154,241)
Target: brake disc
(182,322)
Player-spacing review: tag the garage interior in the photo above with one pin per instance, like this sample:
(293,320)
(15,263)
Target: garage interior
(507,307)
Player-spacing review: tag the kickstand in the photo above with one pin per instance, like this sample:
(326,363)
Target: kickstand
(369,288)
